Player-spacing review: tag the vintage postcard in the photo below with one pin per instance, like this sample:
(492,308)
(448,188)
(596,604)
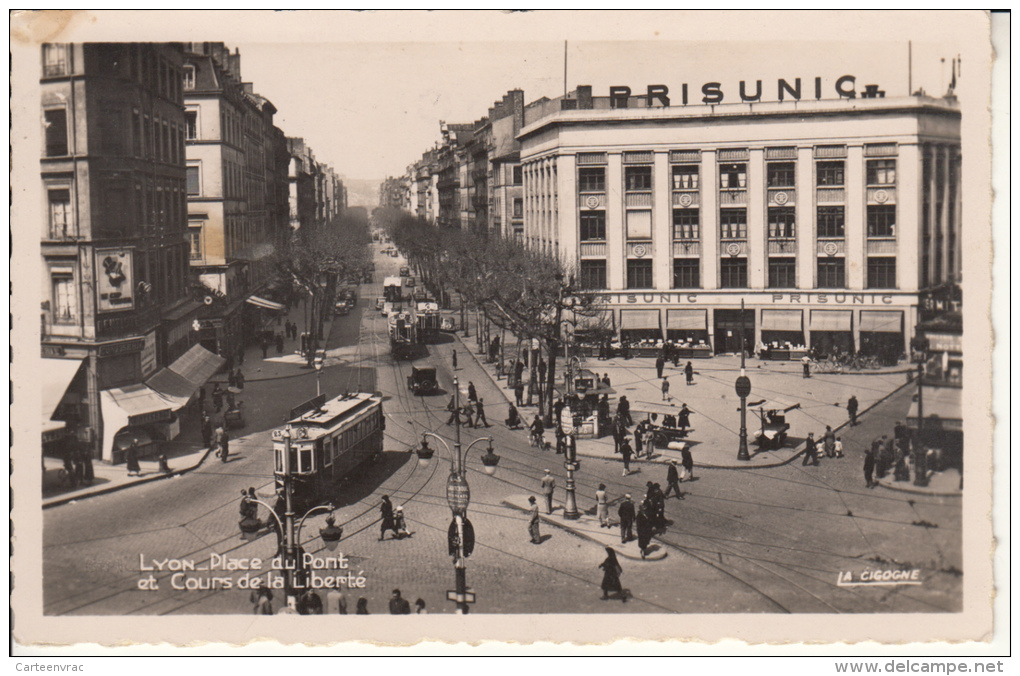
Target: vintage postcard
(566,327)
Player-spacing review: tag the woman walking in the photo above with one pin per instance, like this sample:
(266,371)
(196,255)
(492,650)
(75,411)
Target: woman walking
(611,571)
(644,529)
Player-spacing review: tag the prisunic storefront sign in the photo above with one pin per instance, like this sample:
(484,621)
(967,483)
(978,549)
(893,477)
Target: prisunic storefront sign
(844,87)
(795,298)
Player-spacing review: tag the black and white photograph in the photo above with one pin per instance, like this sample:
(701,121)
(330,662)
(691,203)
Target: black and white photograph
(553,326)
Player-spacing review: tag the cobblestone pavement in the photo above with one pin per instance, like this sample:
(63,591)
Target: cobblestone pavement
(753,540)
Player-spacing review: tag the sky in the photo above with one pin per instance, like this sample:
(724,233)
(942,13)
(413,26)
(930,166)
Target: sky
(371,109)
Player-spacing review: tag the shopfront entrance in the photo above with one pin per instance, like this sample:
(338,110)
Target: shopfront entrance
(882,335)
(831,332)
(727,331)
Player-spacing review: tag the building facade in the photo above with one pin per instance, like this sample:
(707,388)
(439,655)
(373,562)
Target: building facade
(824,217)
(117,303)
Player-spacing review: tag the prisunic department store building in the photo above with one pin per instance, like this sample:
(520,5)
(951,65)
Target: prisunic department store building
(826,217)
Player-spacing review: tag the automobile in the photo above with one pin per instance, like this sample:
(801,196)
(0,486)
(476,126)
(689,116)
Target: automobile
(341,308)
(405,271)
(388,309)
(379,303)
(409,282)
(422,380)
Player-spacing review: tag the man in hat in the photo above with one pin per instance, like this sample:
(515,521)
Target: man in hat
(851,409)
(810,450)
(672,481)
(548,486)
(536,538)
(626,513)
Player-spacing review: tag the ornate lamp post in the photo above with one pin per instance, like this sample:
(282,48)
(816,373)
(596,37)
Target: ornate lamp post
(571,464)
(289,534)
(318,363)
(458,496)
(920,458)
(743,387)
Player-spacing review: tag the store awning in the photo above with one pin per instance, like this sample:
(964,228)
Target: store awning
(179,381)
(639,319)
(602,319)
(830,320)
(687,320)
(137,402)
(782,320)
(56,377)
(265,304)
(941,404)
(881,321)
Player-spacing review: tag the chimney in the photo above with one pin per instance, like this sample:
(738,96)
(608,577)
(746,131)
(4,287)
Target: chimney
(584,101)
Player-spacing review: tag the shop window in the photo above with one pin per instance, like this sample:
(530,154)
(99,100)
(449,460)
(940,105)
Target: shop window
(881,220)
(61,216)
(781,174)
(591,179)
(733,273)
(593,225)
(733,223)
(639,273)
(732,176)
(686,273)
(638,178)
(64,300)
(830,173)
(685,177)
(56,132)
(593,274)
(881,172)
(831,273)
(686,224)
(881,272)
(831,221)
(782,273)
(782,222)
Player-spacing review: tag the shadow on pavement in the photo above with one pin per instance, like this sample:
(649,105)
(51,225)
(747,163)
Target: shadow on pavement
(365,480)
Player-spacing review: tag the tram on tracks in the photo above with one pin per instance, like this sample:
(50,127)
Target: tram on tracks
(329,441)
(403,327)
(429,321)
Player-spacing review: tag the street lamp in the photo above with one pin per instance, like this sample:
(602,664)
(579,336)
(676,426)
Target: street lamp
(743,387)
(288,534)
(920,458)
(458,496)
(318,363)
(571,464)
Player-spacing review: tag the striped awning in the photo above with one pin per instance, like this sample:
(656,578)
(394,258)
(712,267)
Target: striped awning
(831,320)
(265,304)
(881,321)
(687,320)
(782,320)
(639,319)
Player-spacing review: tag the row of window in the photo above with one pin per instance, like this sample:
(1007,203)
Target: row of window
(131,61)
(782,223)
(733,273)
(881,172)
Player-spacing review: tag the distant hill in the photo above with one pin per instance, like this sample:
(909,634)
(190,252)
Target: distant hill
(363,192)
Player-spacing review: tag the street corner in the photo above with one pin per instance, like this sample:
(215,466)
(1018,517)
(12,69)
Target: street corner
(588,528)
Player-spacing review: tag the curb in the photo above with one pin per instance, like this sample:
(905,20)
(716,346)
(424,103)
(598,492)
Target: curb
(585,536)
(914,491)
(57,502)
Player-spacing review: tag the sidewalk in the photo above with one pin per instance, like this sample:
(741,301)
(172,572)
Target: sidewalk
(588,528)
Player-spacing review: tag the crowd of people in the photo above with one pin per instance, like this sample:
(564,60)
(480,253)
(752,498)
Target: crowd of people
(311,602)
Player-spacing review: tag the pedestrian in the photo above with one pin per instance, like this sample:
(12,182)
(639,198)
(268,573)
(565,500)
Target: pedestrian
(336,602)
(639,442)
(806,363)
(838,447)
(472,393)
(513,418)
(626,451)
(683,419)
(386,511)
(262,601)
(548,486)
(279,343)
(606,381)
(131,457)
(611,571)
(419,606)
(88,474)
(886,457)
(310,603)
(398,604)
(689,372)
(660,364)
(673,481)
(207,430)
(480,413)
(626,514)
(217,397)
(869,464)
(519,393)
(618,435)
(602,506)
(851,409)
(643,524)
(561,447)
(265,346)
(223,443)
(665,389)
(362,608)
(829,442)
(623,412)
(454,411)
(400,523)
(687,462)
(810,450)
(455,360)
(603,410)
(239,378)
(519,372)
(536,537)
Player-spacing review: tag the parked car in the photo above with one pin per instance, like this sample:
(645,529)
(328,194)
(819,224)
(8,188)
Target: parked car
(379,303)
(405,271)
(341,308)
(422,380)
(388,309)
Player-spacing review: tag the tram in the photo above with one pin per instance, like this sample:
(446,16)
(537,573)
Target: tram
(403,328)
(329,441)
(393,289)
(429,321)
